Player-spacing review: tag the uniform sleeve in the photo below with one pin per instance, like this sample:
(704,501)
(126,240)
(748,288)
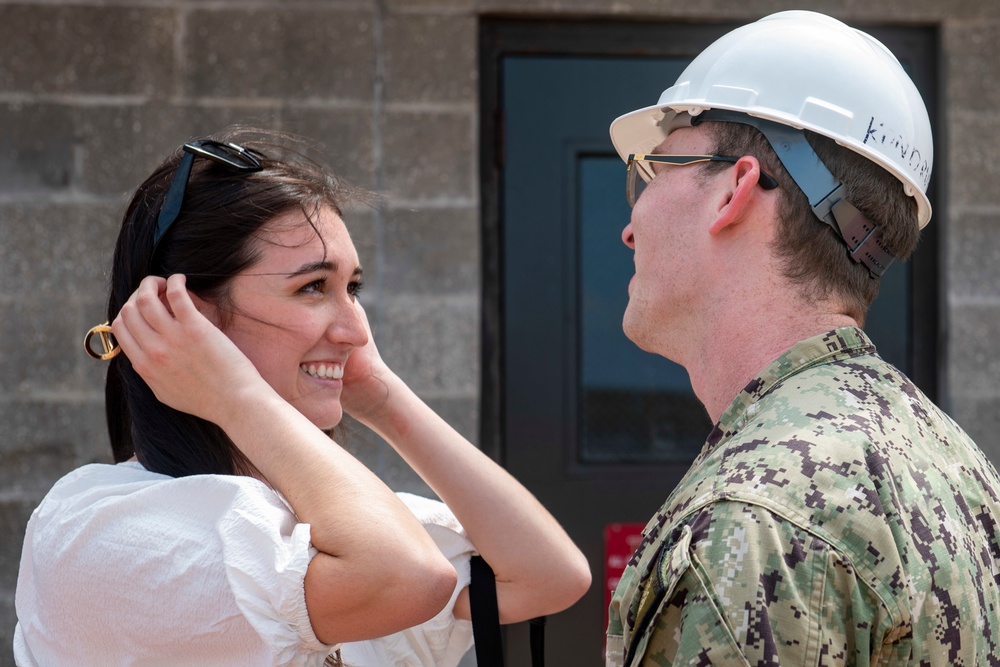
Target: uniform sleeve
(745,587)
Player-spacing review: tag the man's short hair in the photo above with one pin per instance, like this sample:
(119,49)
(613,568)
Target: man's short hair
(813,254)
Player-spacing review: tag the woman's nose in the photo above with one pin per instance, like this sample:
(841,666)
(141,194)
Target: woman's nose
(347,326)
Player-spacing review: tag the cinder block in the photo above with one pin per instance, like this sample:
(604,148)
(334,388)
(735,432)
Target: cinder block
(462,413)
(973,366)
(121,145)
(36,148)
(361,224)
(980,417)
(973,267)
(56,250)
(430,58)
(429,155)
(344,139)
(431,5)
(432,251)
(971,62)
(14,514)
(973,168)
(43,441)
(38,351)
(96,50)
(66,430)
(854,12)
(8,619)
(316,52)
(432,342)
(932,11)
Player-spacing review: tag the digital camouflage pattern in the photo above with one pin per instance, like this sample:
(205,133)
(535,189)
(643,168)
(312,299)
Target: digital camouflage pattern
(834,517)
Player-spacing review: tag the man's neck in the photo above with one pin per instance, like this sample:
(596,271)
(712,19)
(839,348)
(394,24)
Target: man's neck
(731,354)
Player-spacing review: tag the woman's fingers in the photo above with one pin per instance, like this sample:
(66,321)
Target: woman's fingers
(130,327)
(148,302)
(177,299)
(159,310)
(123,336)
(146,324)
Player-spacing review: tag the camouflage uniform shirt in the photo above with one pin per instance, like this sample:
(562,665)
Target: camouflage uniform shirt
(835,516)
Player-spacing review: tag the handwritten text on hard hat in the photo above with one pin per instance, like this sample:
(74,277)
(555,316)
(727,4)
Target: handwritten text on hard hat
(890,139)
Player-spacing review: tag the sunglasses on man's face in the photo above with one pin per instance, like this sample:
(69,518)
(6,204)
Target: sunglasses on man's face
(239,158)
(638,172)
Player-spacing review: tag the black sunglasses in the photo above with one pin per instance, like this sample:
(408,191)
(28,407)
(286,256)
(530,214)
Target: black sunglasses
(239,158)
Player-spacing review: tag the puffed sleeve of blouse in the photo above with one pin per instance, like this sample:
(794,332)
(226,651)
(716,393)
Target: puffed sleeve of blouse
(266,553)
(145,568)
(443,640)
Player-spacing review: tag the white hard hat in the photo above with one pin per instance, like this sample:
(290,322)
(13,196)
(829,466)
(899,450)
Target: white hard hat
(807,71)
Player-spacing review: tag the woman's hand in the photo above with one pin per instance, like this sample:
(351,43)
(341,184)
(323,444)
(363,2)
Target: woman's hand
(366,378)
(188,362)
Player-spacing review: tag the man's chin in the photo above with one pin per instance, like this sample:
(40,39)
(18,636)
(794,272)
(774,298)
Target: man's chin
(631,324)
(637,330)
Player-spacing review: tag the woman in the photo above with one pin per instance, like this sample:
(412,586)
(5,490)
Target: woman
(232,530)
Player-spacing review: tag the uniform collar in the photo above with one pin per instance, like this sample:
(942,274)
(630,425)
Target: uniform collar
(842,343)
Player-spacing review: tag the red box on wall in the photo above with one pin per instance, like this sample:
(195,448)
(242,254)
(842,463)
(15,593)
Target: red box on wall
(620,542)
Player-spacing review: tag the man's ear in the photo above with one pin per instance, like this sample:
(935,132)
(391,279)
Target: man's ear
(741,191)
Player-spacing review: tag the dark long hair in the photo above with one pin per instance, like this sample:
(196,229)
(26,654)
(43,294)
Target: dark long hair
(213,239)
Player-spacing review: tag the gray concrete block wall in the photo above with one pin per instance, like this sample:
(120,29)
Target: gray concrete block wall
(971,222)
(93,93)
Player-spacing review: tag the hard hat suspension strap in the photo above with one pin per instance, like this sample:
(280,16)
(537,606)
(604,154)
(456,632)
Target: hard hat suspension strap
(824,192)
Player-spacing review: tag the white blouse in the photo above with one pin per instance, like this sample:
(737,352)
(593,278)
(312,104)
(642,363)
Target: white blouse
(122,566)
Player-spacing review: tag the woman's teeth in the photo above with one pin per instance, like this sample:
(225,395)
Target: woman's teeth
(324,371)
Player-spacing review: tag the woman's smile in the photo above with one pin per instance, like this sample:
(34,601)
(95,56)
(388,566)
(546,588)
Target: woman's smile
(324,370)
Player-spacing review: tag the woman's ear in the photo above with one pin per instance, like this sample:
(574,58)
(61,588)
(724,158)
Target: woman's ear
(208,309)
(741,191)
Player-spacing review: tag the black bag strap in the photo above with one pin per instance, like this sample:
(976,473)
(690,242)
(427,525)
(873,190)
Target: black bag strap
(485,614)
(486,620)
(536,628)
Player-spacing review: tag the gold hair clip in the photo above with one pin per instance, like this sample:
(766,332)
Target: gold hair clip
(111,347)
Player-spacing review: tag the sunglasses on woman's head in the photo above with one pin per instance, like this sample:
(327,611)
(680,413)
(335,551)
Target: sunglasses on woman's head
(239,158)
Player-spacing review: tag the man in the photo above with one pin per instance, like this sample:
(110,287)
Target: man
(835,515)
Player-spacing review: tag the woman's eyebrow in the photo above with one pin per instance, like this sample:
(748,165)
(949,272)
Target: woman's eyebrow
(325,265)
(312,267)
